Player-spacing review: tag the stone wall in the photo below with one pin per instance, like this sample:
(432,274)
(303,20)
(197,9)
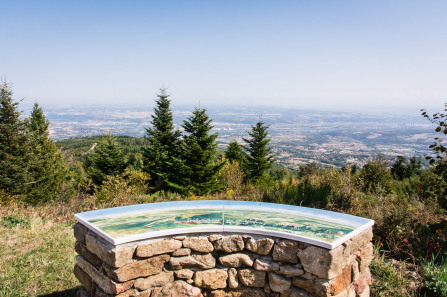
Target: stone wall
(221,265)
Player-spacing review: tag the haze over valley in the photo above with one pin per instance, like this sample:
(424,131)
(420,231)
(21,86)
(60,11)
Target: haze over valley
(299,136)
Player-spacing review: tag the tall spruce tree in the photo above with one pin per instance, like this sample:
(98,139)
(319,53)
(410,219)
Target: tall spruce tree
(234,152)
(199,153)
(161,156)
(13,146)
(46,167)
(259,157)
(107,159)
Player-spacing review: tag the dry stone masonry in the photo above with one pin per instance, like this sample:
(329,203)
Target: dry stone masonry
(221,265)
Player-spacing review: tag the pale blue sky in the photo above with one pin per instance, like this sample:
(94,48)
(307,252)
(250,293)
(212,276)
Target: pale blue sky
(325,54)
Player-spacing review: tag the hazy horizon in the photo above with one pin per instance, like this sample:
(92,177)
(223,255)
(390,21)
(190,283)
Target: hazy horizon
(403,110)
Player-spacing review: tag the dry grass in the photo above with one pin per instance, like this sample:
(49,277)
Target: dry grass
(37,252)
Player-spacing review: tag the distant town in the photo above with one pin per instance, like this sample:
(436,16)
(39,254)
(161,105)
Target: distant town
(330,138)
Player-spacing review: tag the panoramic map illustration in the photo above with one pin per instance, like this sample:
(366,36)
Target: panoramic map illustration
(129,223)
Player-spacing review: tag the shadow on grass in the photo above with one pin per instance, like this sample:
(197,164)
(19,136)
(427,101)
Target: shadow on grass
(66,293)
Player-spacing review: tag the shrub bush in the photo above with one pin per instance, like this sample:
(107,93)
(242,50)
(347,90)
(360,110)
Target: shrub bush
(435,273)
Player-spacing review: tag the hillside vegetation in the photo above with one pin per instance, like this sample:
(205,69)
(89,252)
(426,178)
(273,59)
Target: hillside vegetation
(44,183)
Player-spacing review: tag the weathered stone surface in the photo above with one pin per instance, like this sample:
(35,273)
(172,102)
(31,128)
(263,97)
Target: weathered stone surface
(350,292)
(146,293)
(157,248)
(322,262)
(236,260)
(129,293)
(102,281)
(355,273)
(341,282)
(184,273)
(233,282)
(206,261)
(306,284)
(243,292)
(265,264)
(363,281)
(211,279)
(252,278)
(279,283)
(358,241)
(139,269)
(181,237)
(199,244)
(268,290)
(308,275)
(285,251)
(157,280)
(83,277)
(151,292)
(365,255)
(251,245)
(82,250)
(312,284)
(230,244)
(177,289)
(79,232)
(262,246)
(214,237)
(294,268)
(116,257)
(291,270)
(365,293)
(181,252)
(295,292)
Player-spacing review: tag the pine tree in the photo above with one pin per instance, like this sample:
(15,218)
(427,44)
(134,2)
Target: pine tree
(398,169)
(199,152)
(46,167)
(161,156)
(13,152)
(234,152)
(259,156)
(107,159)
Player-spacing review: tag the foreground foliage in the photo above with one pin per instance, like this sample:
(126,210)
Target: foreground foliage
(30,163)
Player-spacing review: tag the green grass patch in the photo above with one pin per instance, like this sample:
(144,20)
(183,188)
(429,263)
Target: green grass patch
(37,258)
(389,279)
(10,221)
(435,274)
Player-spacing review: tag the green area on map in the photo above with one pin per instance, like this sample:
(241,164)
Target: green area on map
(301,225)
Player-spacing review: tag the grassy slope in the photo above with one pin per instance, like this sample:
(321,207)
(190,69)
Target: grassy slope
(37,257)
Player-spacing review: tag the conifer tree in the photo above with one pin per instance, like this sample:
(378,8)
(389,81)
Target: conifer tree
(13,152)
(199,153)
(107,159)
(234,152)
(259,157)
(161,156)
(46,167)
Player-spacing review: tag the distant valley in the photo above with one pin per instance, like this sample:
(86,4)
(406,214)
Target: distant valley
(331,138)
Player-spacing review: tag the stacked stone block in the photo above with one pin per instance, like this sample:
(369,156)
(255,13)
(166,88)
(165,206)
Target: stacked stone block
(227,265)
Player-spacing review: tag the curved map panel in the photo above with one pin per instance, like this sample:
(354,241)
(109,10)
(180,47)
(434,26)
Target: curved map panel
(137,222)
